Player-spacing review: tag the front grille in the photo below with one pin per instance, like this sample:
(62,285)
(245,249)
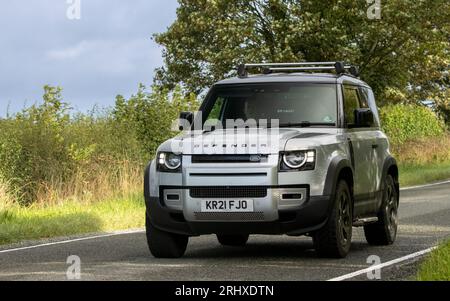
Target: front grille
(228,192)
(229,216)
(229,158)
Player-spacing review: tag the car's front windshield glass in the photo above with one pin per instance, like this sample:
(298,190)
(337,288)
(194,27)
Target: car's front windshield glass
(292,104)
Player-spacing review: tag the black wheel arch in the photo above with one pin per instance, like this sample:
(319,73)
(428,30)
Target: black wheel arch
(338,169)
(390,167)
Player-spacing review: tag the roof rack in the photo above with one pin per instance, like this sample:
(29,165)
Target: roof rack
(339,67)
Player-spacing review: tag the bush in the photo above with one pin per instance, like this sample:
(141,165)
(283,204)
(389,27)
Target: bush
(48,155)
(151,115)
(409,122)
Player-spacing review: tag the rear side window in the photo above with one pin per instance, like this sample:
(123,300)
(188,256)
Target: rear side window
(351,103)
(364,98)
(368,97)
(359,98)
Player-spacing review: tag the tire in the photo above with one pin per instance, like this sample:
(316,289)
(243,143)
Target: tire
(335,238)
(233,240)
(384,232)
(164,244)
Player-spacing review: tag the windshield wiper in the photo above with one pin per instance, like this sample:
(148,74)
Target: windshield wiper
(306,124)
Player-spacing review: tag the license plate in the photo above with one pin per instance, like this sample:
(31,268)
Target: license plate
(227,206)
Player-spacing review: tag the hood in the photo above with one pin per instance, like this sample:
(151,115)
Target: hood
(250,141)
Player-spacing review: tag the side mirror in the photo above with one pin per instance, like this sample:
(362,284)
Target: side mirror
(363,118)
(186,120)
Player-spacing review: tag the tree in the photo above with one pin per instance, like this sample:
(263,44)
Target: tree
(407,47)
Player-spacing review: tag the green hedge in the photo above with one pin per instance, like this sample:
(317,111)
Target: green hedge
(46,148)
(407,122)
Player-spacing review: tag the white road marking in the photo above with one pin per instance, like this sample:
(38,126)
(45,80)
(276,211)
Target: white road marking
(426,185)
(72,240)
(382,265)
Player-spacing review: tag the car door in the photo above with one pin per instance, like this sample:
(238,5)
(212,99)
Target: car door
(361,143)
(380,149)
(380,144)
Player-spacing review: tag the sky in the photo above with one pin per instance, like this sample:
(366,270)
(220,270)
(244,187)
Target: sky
(94,53)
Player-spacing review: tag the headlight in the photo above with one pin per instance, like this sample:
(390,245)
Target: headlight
(298,160)
(169,162)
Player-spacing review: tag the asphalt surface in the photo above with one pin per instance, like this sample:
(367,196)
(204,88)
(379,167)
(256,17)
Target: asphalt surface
(424,221)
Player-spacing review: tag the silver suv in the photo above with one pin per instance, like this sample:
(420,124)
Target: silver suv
(288,151)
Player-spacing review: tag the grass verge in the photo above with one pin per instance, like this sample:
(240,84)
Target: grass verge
(417,174)
(70,218)
(436,267)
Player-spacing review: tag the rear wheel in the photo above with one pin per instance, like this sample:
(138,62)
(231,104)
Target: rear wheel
(233,240)
(384,232)
(334,239)
(164,244)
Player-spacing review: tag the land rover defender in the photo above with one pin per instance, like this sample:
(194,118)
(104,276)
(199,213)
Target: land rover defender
(304,154)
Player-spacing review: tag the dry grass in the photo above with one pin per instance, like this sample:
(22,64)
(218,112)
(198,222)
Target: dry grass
(6,197)
(433,150)
(94,200)
(96,182)
(424,160)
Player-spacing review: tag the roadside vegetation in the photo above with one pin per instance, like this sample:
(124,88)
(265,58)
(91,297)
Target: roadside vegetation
(420,142)
(67,218)
(63,172)
(436,266)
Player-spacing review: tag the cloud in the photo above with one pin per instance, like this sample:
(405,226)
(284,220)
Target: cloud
(108,56)
(69,53)
(107,52)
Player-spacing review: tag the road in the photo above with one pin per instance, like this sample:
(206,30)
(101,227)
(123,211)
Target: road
(424,221)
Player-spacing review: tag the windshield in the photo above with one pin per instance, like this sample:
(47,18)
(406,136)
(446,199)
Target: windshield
(292,104)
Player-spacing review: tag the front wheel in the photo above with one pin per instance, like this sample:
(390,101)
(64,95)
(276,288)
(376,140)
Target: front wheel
(384,232)
(335,238)
(164,244)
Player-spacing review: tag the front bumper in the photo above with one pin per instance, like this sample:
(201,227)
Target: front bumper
(307,217)
(174,201)
(268,201)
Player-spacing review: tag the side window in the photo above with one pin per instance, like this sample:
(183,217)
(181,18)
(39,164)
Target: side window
(369,100)
(364,98)
(351,103)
